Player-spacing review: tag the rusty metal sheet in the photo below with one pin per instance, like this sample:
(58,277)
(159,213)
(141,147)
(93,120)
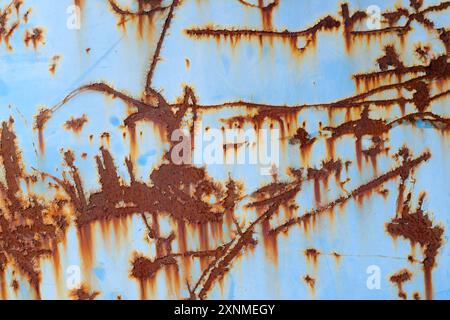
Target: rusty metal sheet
(224,149)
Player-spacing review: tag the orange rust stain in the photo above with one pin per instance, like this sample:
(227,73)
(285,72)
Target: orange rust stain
(133,143)
(56,261)
(54,63)
(79,3)
(3,291)
(86,245)
(311,283)
(337,257)
(35,36)
(25,215)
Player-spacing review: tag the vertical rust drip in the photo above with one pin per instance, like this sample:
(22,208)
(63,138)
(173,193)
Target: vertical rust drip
(266,13)
(3,291)
(428,282)
(56,261)
(40,120)
(358,153)
(270,242)
(312,255)
(133,142)
(317,191)
(86,247)
(349,21)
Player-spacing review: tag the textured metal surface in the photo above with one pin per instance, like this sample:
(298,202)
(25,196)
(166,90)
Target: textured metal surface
(236,149)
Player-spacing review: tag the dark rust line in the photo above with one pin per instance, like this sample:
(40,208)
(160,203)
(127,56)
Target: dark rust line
(117,9)
(148,86)
(324,24)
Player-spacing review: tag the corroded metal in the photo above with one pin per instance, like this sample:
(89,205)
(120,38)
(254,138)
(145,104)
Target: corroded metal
(83,193)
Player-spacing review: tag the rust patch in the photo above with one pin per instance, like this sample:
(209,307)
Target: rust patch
(398,279)
(76,124)
(35,36)
(28,225)
(144,268)
(83,293)
(417,227)
(9,25)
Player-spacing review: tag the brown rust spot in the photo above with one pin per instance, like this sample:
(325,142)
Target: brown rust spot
(26,15)
(310,281)
(144,268)
(302,138)
(76,124)
(83,293)
(54,63)
(337,256)
(398,279)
